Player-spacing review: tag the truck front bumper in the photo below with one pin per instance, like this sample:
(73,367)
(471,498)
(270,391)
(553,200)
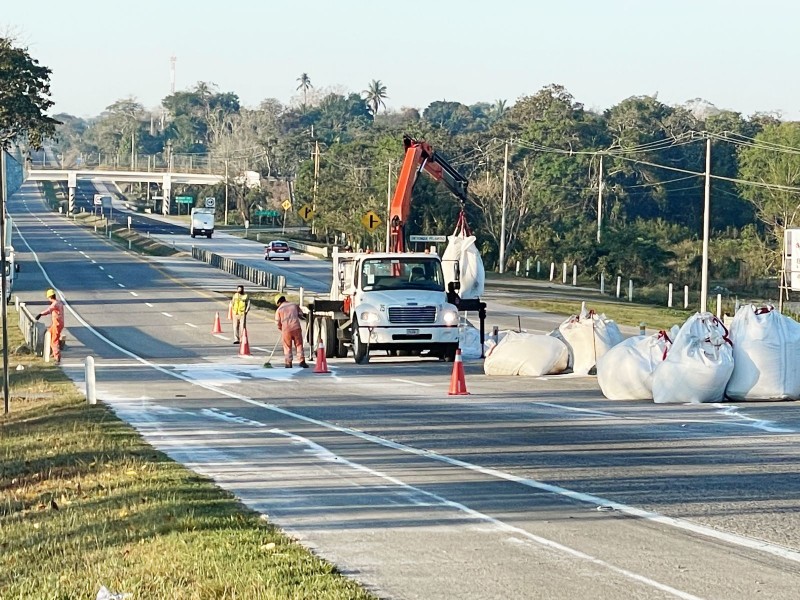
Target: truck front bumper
(388,338)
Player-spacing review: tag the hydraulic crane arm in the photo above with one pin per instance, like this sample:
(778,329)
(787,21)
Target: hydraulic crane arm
(419,156)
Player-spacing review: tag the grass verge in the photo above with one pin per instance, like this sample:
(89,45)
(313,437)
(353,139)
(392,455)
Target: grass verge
(126,238)
(84,502)
(621,312)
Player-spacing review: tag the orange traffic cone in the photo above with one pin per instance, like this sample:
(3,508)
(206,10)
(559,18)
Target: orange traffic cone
(230,311)
(217,326)
(321,365)
(244,347)
(458,385)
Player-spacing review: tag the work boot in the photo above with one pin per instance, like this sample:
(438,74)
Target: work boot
(304,364)
(288,365)
(235,342)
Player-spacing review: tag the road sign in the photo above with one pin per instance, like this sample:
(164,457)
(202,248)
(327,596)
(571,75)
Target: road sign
(211,202)
(427,238)
(286,204)
(266,213)
(371,221)
(306,212)
(184,199)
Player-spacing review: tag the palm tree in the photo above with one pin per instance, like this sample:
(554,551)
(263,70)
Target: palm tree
(374,95)
(498,110)
(305,85)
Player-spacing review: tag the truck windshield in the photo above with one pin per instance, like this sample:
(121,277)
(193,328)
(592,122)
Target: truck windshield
(412,273)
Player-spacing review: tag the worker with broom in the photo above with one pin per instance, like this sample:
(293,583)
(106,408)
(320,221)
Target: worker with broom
(287,318)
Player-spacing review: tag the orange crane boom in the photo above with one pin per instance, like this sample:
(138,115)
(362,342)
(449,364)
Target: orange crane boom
(419,156)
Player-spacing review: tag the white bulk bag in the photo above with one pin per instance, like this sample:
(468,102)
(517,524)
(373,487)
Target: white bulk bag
(469,340)
(528,354)
(766,346)
(461,247)
(588,337)
(699,364)
(625,372)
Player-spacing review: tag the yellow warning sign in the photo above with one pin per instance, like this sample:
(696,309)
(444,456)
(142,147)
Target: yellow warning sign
(286,205)
(306,212)
(371,221)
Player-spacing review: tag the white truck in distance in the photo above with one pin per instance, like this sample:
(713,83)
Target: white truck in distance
(202,222)
(386,301)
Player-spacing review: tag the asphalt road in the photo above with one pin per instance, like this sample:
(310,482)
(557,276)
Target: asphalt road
(527,488)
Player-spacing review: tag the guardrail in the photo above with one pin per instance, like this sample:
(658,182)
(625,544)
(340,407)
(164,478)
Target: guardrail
(263,278)
(322,251)
(32,330)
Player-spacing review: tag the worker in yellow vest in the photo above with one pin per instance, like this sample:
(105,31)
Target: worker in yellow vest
(240,306)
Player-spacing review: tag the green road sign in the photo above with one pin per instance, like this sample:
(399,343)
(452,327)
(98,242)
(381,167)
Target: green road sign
(266,213)
(184,199)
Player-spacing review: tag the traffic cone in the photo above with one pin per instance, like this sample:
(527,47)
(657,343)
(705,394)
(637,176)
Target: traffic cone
(217,326)
(458,385)
(244,347)
(230,311)
(321,365)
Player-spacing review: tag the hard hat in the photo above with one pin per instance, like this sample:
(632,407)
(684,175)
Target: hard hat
(279,298)
(50,293)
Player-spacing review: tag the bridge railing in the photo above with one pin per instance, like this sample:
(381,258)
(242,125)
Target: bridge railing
(31,329)
(270,281)
(157,163)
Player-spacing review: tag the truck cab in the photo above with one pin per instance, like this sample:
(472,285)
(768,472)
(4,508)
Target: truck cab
(387,301)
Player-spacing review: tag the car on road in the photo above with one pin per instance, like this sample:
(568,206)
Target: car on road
(277,249)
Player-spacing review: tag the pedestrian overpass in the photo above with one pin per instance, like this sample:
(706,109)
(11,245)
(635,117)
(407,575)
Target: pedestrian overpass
(165,179)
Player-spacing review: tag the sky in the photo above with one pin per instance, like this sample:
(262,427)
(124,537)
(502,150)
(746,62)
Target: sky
(739,55)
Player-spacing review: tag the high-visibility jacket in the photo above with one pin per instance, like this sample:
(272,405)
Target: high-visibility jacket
(56,312)
(287,317)
(240,304)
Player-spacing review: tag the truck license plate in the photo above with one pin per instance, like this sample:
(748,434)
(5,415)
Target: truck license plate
(412,331)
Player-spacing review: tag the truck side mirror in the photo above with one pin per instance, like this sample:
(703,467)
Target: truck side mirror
(341,280)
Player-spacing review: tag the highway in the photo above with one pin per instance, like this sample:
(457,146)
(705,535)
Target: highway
(527,488)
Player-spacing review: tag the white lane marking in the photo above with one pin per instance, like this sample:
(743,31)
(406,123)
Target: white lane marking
(133,294)
(678,523)
(84,253)
(110,276)
(148,304)
(101,267)
(733,411)
(191,325)
(166,314)
(120,285)
(728,411)
(328,456)
(222,337)
(260,349)
(410,382)
(94,262)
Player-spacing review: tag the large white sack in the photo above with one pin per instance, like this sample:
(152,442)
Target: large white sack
(625,372)
(698,366)
(526,354)
(766,346)
(469,340)
(462,248)
(588,337)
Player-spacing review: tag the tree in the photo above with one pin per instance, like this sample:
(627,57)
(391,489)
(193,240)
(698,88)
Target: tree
(24,97)
(305,85)
(374,95)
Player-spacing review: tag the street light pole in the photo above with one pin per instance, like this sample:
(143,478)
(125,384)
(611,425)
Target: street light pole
(706,228)
(3,281)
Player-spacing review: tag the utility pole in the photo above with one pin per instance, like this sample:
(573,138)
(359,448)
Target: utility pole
(133,148)
(4,284)
(600,200)
(706,228)
(316,184)
(226,191)
(388,205)
(172,60)
(503,216)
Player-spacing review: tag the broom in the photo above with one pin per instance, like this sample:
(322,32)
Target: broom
(267,364)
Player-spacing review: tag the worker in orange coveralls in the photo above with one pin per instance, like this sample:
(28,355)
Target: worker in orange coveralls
(287,317)
(56,312)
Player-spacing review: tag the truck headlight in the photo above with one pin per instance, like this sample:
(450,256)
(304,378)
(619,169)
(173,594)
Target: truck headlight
(450,317)
(369,318)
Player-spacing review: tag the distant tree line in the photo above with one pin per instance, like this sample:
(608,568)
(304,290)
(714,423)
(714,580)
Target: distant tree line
(651,153)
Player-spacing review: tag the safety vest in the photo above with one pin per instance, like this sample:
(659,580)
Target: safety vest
(239,304)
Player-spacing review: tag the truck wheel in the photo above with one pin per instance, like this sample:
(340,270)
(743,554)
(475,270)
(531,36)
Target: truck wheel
(360,351)
(449,353)
(208,235)
(327,331)
(193,234)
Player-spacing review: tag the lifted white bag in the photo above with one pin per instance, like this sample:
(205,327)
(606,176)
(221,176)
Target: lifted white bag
(766,347)
(461,247)
(529,354)
(625,372)
(588,337)
(698,366)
